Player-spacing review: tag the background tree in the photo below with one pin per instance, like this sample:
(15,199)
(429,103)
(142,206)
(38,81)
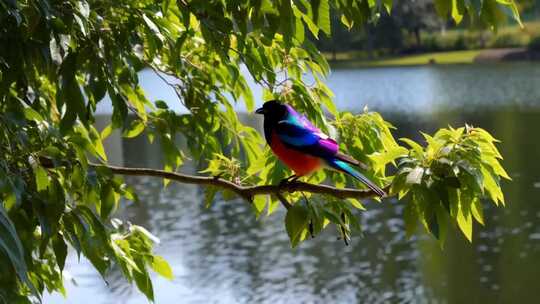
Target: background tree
(382,35)
(59,59)
(416,15)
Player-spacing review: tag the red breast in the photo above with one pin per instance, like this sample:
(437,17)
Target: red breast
(299,162)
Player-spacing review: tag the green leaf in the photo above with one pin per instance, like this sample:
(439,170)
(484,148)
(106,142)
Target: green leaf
(430,217)
(332,216)
(70,94)
(382,158)
(153,27)
(160,266)
(108,201)
(415,176)
(399,186)
(457,10)
(296,222)
(388,5)
(492,186)
(122,249)
(356,203)
(465,222)
(348,23)
(272,206)
(496,167)
(419,151)
(209,195)
(60,250)
(259,203)
(160,104)
(411,218)
(313,28)
(323,16)
(477,211)
(142,279)
(135,129)
(42,178)
(515,10)
(84,8)
(248,99)
(286,21)
(32,114)
(442,221)
(54,48)
(95,138)
(12,247)
(298,27)
(106,132)
(120,110)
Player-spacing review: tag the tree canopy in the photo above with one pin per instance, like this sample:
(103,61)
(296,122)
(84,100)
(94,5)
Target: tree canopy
(59,59)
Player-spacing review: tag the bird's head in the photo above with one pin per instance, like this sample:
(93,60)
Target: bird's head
(273,109)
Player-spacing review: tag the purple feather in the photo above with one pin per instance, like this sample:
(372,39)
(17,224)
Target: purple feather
(324,145)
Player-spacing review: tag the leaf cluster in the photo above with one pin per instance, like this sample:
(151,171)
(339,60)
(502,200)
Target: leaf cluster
(447,180)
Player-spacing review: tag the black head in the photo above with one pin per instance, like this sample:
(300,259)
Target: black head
(273,109)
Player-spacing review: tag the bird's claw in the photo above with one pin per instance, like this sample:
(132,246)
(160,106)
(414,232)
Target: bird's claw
(283,182)
(289,180)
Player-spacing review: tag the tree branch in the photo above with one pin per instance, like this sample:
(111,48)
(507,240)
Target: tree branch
(246,192)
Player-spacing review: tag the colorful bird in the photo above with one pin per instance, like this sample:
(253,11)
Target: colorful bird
(303,147)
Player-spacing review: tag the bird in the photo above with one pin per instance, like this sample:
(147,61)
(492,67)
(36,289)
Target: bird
(303,147)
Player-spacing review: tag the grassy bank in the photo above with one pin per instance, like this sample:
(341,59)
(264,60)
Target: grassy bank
(453,57)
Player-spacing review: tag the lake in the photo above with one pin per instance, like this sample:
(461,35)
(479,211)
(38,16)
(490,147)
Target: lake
(225,255)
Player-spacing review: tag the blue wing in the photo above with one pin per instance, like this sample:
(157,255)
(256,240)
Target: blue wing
(296,135)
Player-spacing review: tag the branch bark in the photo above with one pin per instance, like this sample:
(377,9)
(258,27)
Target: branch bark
(246,192)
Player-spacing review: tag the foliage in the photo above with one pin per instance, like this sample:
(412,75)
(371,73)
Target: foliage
(59,59)
(415,27)
(447,179)
(507,41)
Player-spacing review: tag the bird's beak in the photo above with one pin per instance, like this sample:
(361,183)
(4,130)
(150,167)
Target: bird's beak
(260,111)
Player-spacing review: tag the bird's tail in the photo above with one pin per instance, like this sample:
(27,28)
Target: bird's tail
(346,168)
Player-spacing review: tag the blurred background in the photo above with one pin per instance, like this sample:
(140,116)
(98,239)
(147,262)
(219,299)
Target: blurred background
(225,255)
(414,34)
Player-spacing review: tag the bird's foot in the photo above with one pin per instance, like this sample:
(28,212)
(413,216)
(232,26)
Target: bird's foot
(283,182)
(288,180)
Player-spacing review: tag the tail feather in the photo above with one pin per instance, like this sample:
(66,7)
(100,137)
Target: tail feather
(349,159)
(346,168)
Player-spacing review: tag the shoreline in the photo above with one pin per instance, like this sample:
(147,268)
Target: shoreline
(481,56)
